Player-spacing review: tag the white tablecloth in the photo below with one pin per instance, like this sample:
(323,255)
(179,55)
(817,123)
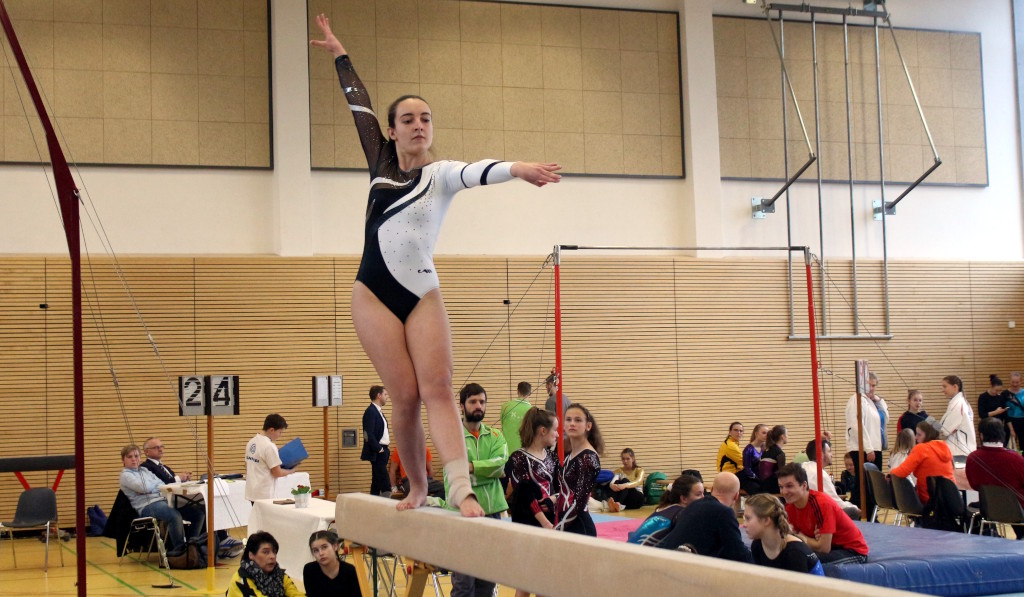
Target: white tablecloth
(283,486)
(230,508)
(291,527)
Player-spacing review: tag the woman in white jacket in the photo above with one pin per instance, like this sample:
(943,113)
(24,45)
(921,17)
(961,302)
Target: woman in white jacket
(958,421)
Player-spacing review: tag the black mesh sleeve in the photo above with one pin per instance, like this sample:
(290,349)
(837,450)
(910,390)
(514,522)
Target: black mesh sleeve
(370,136)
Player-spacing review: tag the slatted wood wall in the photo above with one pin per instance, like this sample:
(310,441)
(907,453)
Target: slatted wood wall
(666,351)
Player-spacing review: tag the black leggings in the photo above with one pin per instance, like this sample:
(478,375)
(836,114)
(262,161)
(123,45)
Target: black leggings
(630,498)
(583,525)
(1018,428)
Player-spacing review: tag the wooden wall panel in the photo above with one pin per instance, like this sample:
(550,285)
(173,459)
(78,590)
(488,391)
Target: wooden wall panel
(665,351)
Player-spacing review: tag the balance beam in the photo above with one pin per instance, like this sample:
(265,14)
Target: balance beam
(547,562)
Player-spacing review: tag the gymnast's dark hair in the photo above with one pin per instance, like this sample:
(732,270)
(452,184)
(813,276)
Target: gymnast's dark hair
(594,435)
(775,435)
(681,487)
(994,380)
(256,540)
(534,419)
(393,108)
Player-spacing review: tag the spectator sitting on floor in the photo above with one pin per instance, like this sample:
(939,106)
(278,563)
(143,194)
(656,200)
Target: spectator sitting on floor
(730,455)
(819,521)
(772,543)
(327,575)
(772,458)
(400,481)
(905,442)
(752,460)
(992,464)
(931,457)
(709,526)
(811,468)
(259,575)
(143,491)
(627,489)
(685,490)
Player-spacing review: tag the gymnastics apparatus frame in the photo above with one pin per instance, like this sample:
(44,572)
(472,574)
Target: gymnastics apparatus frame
(811,325)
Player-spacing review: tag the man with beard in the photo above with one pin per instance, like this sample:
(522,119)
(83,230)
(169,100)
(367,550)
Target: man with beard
(487,452)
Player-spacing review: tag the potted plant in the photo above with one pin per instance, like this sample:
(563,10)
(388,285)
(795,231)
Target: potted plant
(301,494)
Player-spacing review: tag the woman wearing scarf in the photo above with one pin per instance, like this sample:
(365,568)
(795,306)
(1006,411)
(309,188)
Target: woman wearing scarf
(259,575)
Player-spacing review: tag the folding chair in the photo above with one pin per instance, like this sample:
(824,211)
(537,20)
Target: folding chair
(999,505)
(907,502)
(882,490)
(37,509)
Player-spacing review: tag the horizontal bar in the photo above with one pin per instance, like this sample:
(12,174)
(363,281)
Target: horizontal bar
(846,337)
(599,248)
(36,463)
(546,562)
(892,204)
(829,10)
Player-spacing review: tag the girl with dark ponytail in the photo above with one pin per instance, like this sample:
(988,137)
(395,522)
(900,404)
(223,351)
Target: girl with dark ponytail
(773,544)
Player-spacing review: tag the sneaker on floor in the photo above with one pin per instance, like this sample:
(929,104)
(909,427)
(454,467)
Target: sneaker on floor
(227,553)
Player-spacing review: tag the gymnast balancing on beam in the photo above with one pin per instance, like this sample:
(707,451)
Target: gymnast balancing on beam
(397,309)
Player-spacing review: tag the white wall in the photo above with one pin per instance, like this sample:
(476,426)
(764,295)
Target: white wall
(293,211)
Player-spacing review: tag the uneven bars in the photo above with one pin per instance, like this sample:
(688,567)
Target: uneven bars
(548,562)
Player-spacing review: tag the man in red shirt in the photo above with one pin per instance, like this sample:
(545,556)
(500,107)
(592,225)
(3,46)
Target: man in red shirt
(992,464)
(819,521)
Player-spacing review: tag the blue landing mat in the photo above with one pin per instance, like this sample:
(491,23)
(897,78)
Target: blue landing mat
(937,562)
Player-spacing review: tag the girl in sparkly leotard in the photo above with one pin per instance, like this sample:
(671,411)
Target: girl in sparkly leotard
(533,470)
(397,309)
(579,471)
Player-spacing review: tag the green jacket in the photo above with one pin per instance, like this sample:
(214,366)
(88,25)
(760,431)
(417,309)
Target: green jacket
(512,413)
(488,455)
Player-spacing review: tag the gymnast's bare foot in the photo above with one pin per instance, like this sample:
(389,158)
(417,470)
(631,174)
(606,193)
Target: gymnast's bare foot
(470,508)
(416,498)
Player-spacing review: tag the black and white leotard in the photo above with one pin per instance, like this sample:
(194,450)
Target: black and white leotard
(405,209)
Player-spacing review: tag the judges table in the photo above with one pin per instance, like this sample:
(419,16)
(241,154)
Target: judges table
(291,527)
(230,508)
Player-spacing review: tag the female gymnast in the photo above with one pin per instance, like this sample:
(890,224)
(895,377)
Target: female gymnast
(579,471)
(397,309)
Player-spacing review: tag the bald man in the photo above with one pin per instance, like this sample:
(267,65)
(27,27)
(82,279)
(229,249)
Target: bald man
(710,525)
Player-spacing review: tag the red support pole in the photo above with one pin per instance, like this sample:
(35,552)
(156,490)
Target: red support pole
(558,356)
(812,332)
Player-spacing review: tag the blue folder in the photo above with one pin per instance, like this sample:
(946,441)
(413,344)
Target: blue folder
(293,453)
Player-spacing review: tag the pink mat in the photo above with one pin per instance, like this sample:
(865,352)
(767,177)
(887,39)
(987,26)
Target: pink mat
(618,530)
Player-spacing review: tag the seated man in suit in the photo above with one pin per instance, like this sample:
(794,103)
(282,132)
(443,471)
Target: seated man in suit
(143,490)
(153,448)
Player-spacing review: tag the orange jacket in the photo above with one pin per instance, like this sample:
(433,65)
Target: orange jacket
(930,459)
